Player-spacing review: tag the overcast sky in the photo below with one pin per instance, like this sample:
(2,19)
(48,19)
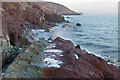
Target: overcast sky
(91,6)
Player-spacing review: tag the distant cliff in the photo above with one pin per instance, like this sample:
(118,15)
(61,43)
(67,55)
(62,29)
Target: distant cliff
(58,8)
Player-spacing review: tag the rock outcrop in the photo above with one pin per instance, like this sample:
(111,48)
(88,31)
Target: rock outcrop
(29,63)
(73,62)
(78,24)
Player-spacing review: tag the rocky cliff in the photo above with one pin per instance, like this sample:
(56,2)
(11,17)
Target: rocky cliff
(61,58)
(58,8)
(20,16)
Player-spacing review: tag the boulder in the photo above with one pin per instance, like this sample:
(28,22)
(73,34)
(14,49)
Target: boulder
(67,26)
(78,24)
(67,21)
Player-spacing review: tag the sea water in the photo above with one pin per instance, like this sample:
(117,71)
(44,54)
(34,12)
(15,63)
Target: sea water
(98,34)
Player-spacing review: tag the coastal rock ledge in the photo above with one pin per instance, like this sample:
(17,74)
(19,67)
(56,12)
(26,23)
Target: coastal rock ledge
(62,59)
(76,63)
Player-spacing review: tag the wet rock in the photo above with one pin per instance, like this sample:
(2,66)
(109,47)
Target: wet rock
(78,24)
(67,26)
(51,24)
(47,30)
(67,21)
(50,40)
(78,46)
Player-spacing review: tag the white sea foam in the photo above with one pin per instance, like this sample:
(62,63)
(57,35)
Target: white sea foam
(53,50)
(61,55)
(53,45)
(2,74)
(50,62)
(60,32)
(76,56)
(38,30)
(39,33)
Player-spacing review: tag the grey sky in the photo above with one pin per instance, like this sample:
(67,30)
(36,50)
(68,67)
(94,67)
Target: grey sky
(91,6)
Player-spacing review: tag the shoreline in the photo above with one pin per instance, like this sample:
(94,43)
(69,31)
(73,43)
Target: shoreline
(107,58)
(78,47)
(96,54)
(62,57)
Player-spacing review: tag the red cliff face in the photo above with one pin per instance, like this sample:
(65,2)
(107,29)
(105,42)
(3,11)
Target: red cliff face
(16,14)
(73,62)
(13,26)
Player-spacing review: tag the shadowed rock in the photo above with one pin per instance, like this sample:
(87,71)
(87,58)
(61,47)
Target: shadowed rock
(29,63)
